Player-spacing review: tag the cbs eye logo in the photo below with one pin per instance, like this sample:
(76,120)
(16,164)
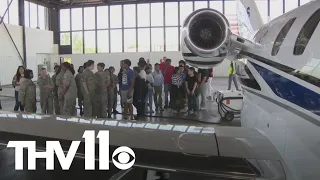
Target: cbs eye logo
(123,158)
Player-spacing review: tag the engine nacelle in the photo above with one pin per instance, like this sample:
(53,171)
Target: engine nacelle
(205,38)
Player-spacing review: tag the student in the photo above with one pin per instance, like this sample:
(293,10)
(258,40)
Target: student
(232,77)
(191,87)
(120,80)
(127,88)
(202,87)
(149,96)
(167,71)
(59,84)
(177,89)
(115,93)
(138,96)
(46,96)
(102,81)
(110,92)
(88,89)
(27,93)
(16,82)
(142,65)
(210,86)
(69,92)
(158,85)
(55,90)
(79,94)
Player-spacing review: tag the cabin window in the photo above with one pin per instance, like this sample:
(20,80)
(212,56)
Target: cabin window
(281,36)
(306,33)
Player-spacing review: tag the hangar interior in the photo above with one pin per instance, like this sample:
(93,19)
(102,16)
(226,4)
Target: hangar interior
(44,33)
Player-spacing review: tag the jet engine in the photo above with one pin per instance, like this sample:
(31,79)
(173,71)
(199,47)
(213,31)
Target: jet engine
(205,38)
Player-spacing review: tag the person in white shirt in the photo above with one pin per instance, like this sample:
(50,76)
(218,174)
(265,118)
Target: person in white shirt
(149,97)
(142,65)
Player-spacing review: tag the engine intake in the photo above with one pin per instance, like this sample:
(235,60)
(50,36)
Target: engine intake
(206,31)
(205,38)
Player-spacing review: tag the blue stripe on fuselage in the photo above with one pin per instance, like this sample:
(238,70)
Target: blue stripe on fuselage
(290,91)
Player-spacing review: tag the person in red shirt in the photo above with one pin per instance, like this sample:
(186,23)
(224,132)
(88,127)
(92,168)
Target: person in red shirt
(167,71)
(163,63)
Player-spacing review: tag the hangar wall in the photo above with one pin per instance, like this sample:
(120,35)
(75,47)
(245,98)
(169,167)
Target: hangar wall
(38,42)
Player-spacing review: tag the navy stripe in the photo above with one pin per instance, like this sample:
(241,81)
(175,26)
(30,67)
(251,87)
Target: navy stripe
(305,77)
(290,90)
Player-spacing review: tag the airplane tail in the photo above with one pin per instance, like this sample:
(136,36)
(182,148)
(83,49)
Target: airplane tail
(249,18)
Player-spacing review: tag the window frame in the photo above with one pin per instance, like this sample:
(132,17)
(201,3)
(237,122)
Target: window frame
(282,36)
(310,26)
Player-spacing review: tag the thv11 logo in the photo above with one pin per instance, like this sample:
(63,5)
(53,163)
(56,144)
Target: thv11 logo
(123,157)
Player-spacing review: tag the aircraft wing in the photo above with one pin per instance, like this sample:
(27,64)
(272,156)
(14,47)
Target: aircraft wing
(231,152)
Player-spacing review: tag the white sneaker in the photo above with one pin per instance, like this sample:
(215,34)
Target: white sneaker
(190,112)
(175,111)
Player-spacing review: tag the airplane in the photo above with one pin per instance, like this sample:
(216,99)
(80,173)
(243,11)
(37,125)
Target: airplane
(278,66)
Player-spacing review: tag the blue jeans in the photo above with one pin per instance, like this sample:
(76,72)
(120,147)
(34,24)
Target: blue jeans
(149,99)
(192,102)
(18,103)
(167,88)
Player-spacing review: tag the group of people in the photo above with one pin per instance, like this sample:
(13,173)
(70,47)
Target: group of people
(97,93)
(181,85)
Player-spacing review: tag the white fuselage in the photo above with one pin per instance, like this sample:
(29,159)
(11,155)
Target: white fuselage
(286,108)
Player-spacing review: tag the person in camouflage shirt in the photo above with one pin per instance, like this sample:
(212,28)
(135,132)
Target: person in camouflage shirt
(55,90)
(69,93)
(115,81)
(59,84)
(27,92)
(46,95)
(80,96)
(102,79)
(88,89)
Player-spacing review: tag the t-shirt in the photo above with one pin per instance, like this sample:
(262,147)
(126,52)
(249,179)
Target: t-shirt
(126,79)
(203,73)
(191,81)
(143,74)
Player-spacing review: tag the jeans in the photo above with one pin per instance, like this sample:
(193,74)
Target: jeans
(232,77)
(176,97)
(158,96)
(149,99)
(167,88)
(18,103)
(203,94)
(192,102)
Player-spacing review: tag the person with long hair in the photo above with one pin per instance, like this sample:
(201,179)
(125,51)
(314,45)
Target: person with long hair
(27,93)
(46,94)
(69,93)
(80,96)
(16,82)
(59,84)
(55,89)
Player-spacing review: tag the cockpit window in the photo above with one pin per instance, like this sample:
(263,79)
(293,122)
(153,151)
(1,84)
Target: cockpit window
(281,36)
(306,32)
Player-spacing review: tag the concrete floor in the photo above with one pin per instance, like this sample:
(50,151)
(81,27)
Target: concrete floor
(209,115)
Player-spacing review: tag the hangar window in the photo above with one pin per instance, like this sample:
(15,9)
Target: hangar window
(306,32)
(281,36)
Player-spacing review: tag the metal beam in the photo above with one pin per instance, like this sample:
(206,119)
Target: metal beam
(5,12)
(22,24)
